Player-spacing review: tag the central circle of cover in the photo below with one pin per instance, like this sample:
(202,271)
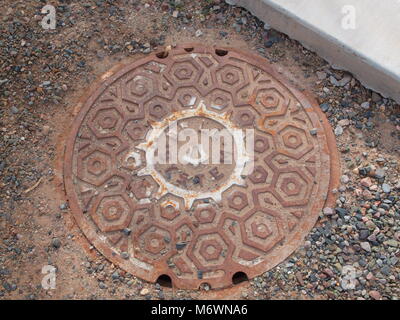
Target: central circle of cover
(197,154)
(189,154)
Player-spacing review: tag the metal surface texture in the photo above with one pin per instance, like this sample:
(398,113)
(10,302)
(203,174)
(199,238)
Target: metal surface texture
(198,223)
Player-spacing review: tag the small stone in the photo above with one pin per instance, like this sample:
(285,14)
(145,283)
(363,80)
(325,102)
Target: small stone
(374,295)
(180,245)
(299,278)
(206,287)
(379,173)
(365,105)
(386,270)
(127,231)
(144,292)
(338,130)
(102,285)
(341,83)
(342,212)
(386,188)
(366,182)
(363,234)
(321,75)
(14,110)
(328,211)
(325,107)
(45,130)
(196,180)
(344,122)
(392,243)
(370,276)
(344,179)
(125,255)
(366,246)
(175,14)
(345,80)
(313,132)
(56,243)
(266,25)
(370,225)
(63,206)
(329,272)
(376,97)
(198,33)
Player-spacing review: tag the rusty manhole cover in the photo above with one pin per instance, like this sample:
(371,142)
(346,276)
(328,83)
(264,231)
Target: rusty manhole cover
(198,221)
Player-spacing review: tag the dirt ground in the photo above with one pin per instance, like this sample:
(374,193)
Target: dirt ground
(46,73)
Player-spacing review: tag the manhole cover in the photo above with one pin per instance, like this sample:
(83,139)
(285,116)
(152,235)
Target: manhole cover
(157,203)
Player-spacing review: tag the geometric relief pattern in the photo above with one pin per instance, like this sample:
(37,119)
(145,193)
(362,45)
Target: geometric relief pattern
(254,227)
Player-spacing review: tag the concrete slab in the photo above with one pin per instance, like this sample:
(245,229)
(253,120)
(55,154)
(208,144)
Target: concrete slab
(361,36)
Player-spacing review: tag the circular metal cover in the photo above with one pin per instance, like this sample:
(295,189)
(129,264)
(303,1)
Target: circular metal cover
(198,222)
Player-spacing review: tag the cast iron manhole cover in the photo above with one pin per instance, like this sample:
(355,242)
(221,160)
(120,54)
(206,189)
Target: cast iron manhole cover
(190,216)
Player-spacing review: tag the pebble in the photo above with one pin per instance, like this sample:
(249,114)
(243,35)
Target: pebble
(380,173)
(198,33)
(56,243)
(365,105)
(338,130)
(363,234)
(344,179)
(115,275)
(102,285)
(386,188)
(325,107)
(125,255)
(344,122)
(14,110)
(341,83)
(366,182)
(386,270)
(313,132)
(366,246)
(376,97)
(321,75)
(180,245)
(45,130)
(328,211)
(144,292)
(374,295)
(392,243)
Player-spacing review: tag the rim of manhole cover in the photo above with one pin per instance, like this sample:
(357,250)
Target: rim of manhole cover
(198,221)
